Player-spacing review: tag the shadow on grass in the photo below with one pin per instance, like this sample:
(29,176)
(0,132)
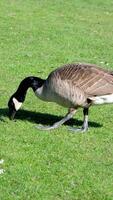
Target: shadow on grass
(43,118)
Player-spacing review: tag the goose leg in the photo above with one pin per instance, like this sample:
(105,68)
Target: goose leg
(85,123)
(68,116)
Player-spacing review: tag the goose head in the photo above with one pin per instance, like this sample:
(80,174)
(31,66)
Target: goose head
(16,100)
(14,105)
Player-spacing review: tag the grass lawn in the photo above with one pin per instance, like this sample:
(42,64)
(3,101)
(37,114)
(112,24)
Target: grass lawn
(35,38)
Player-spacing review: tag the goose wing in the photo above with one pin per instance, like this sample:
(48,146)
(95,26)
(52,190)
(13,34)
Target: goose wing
(92,80)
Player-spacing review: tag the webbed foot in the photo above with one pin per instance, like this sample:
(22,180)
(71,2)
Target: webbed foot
(80,130)
(45,128)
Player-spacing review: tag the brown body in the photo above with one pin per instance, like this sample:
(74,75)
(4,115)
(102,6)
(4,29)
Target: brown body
(76,85)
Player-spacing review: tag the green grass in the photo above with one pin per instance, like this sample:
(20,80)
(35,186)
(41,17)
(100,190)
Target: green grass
(35,38)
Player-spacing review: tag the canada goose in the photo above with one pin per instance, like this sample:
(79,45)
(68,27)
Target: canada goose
(72,86)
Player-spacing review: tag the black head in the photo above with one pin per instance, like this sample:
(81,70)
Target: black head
(18,97)
(14,106)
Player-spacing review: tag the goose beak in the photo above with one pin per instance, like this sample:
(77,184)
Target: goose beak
(12,113)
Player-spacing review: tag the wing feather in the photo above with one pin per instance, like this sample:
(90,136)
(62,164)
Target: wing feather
(94,81)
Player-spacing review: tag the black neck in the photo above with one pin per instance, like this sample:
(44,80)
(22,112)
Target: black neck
(29,82)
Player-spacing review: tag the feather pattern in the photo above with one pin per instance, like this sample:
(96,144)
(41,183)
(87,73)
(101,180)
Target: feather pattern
(72,84)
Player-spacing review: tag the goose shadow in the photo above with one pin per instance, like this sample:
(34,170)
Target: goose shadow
(43,118)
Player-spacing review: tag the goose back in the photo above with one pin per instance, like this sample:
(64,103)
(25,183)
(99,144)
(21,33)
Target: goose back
(72,84)
(91,79)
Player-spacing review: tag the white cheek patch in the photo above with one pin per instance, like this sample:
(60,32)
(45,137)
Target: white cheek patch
(17,104)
